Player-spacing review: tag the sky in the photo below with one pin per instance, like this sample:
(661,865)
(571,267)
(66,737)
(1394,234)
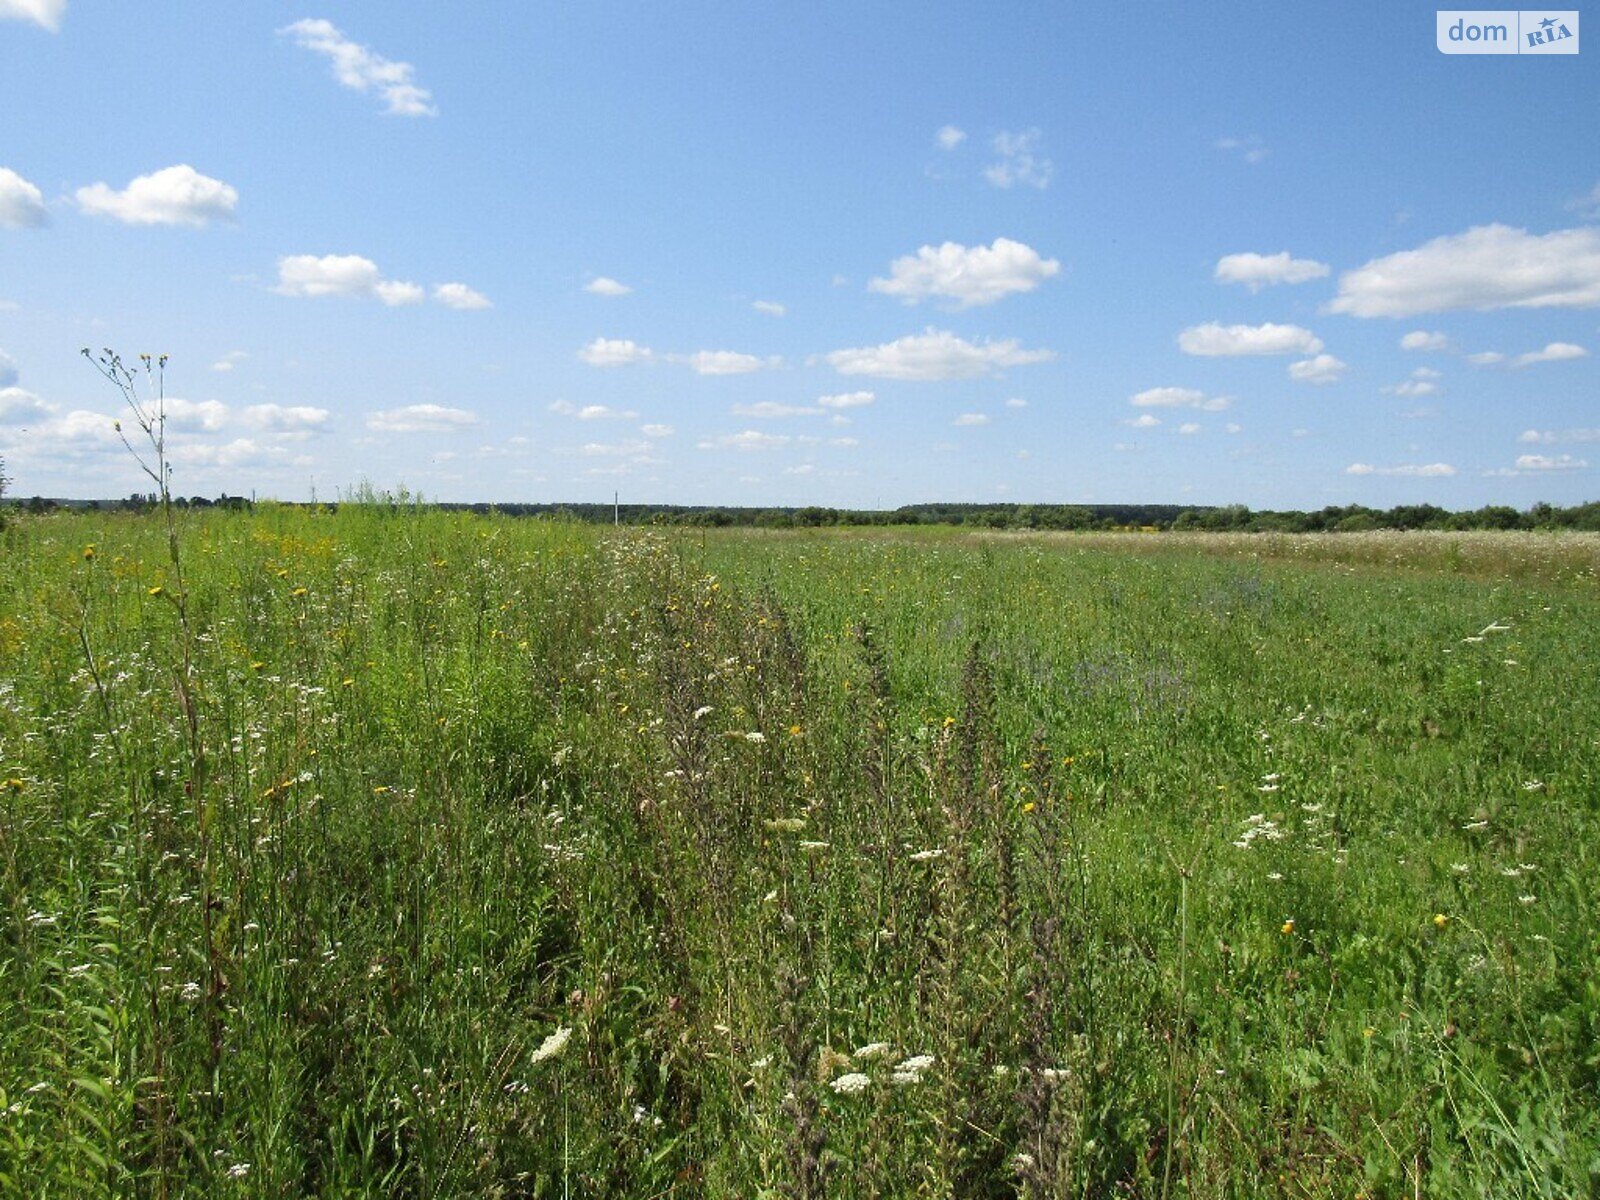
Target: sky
(847,254)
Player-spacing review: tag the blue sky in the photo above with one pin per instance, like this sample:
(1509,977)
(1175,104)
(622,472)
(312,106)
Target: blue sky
(837,254)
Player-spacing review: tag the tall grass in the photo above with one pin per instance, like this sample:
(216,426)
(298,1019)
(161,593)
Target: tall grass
(479,857)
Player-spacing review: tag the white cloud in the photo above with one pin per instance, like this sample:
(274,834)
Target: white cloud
(177,195)
(1421,470)
(768,409)
(1587,206)
(949,137)
(1019,161)
(293,419)
(1178,397)
(421,418)
(1486,358)
(750,439)
(726,362)
(230,360)
(1549,437)
(801,469)
(629,449)
(460,296)
(395,293)
(656,431)
(18,407)
(1554,352)
(971,419)
(1487,267)
(846,442)
(238,453)
(1257,271)
(604,286)
(44,13)
(592,412)
(1214,340)
(1324,368)
(969,276)
(8,370)
(1426,373)
(341,275)
(1252,149)
(1016,402)
(847,400)
(189,415)
(934,354)
(21,203)
(361,69)
(770,307)
(1544,462)
(1413,387)
(1233,427)
(1421,339)
(614,352)
(1189,428)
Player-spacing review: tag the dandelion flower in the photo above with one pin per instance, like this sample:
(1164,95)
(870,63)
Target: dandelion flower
(1440,920)
(1287,927)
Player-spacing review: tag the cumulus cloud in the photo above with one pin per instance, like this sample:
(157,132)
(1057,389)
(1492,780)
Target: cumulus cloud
(592,412)
(770,409)
(1214,340)
(421,418)
(19,407)
(1178,397)
(966,419)
(1019,161)
(604,286)
(177,195)
(770,307)
(967,276)
(342,275)
(801,469)
(656,431)
(847,400)
(1487,267)
(363,70)
(287,420)
(1324,368)
(1548,437)
(1189,428)
(1554,352)
(1421,339)
(1419,470)
(230,360)
(21,203)
(726,362)
(240,452)
(1413,387)
(1545,462)
(1143,421)
(1486,358)
(629,449)
(949,137)
(933,355)
(460,296)
(750,439)
(1257,271)
(44,13)
(206,416)
(1016,402)
(614,352)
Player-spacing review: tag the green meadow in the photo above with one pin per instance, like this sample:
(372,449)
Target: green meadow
(391,852)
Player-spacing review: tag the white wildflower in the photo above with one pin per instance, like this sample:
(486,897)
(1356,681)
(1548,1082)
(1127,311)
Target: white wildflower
(552,1045)
(755,736)
(850,1085)
(927,855)
(875,1050)
(704,710)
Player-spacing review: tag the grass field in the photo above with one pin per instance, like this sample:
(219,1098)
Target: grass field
(390,852)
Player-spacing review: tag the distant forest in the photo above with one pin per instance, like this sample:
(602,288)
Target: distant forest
(1148,517)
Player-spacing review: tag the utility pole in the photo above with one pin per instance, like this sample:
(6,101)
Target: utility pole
(616,508)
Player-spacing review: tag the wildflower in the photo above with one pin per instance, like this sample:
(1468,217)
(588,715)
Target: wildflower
(850,1085)
(88,553)
(239,1170)
(916,1064)
(875,1050)
(155,591)
(1526,900)
(12,785)
(299,591)
(794,731)
(813,847)
(552,1046)
(703,711)
(1440,920)
(1029,806)
(762,1063)
(755,736)
(1287,927)
(927,855)
(189,993)
(786,824)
